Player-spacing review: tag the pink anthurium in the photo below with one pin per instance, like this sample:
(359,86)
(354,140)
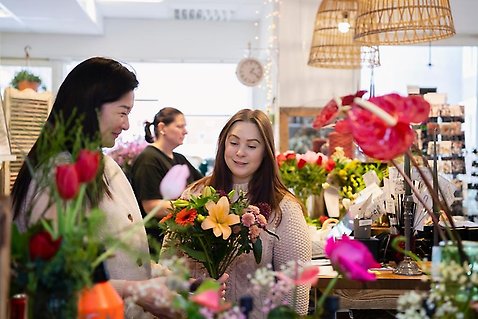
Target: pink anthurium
(175,181)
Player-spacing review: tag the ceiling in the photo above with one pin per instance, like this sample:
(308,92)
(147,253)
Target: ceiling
(86,16)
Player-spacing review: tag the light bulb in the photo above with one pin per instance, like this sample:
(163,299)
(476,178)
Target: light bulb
(344,27)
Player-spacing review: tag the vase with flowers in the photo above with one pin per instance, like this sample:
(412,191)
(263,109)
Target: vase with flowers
(54,257)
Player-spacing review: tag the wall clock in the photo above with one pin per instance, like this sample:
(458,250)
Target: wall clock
(250,71)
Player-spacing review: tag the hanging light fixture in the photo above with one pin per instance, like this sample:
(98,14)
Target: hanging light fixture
(390,22)
(332,43)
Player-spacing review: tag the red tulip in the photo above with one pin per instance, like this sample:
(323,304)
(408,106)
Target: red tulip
(351,257)
(42,246)
(280,158)
(67,181)
(301,163)
(87,165)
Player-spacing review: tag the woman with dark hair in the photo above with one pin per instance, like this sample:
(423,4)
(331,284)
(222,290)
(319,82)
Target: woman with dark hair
(100,93)
(245,161)
(156,160)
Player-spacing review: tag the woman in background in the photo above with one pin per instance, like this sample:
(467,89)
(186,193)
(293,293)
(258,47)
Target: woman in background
(245,160)
(155,161)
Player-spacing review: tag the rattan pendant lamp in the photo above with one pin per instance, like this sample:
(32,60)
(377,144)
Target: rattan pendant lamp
(333,45)
(392,22)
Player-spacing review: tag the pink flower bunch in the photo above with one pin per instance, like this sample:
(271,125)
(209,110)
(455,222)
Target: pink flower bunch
(254,220)
(125,153)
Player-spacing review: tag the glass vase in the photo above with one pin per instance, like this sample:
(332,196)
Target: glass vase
(52,304)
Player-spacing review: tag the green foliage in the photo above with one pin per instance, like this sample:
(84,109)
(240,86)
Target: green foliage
(24,75)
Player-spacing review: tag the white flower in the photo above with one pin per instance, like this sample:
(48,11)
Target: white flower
(174,183)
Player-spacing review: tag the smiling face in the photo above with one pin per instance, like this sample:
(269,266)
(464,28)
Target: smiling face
(244,151)
(113,118)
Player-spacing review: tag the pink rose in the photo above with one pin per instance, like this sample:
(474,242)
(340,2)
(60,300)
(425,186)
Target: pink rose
(351,257)
(248,219)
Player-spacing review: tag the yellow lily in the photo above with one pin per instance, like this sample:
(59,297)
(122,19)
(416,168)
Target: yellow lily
(219,218)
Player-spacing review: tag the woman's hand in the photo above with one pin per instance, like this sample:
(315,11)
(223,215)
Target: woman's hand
(222,280)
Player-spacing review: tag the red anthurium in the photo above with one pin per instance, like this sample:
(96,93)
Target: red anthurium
(67,181)
(87,165)
(331,110)
(351,257)
(381,140)
(42,246)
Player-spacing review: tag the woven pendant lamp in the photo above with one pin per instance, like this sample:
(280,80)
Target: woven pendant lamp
(391,22)
(332,43)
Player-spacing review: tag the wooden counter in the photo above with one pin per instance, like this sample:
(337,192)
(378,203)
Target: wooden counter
(379,294)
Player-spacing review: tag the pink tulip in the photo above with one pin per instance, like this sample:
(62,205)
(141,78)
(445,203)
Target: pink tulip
(175,181)
(351,257)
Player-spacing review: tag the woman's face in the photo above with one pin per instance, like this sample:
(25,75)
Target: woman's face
(175,132)
(244,151)
(113,118)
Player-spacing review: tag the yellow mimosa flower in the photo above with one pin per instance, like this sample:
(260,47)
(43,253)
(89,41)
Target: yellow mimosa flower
(219,218)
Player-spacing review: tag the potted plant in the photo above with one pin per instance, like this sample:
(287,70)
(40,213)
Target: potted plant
(25,79)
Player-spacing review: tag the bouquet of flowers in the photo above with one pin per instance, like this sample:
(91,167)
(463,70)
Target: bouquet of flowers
(303,173)
(346,173)
(213,229)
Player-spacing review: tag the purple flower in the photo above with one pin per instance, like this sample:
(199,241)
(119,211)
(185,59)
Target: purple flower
(265,209)
(351,257)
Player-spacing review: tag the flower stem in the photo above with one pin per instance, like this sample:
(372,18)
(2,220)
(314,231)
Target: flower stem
(209,266)
(420,199)
(454,236)
(328,289)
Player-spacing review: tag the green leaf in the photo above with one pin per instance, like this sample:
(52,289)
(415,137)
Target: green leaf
(195,254)
(257,249)
(282,312)
(208,284)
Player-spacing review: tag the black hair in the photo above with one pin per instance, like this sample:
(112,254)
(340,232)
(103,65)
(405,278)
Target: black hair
(86,88)
(166,115)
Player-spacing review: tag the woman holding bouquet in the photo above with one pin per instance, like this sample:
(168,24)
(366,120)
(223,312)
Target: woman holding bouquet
(100,93)
(245,161)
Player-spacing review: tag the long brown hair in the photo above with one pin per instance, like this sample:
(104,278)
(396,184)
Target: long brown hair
(265,185)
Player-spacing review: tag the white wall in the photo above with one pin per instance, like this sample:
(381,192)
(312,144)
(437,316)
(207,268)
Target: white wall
(140,40)
(300,84)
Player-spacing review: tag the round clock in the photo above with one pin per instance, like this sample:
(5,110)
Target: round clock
(250,71)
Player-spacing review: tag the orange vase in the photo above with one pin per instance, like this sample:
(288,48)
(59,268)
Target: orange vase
(100,301)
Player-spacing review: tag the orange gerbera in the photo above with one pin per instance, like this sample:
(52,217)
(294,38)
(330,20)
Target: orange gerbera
(186,217)
(165,218)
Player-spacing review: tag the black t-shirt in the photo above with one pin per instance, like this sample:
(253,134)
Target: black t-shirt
(148,171)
